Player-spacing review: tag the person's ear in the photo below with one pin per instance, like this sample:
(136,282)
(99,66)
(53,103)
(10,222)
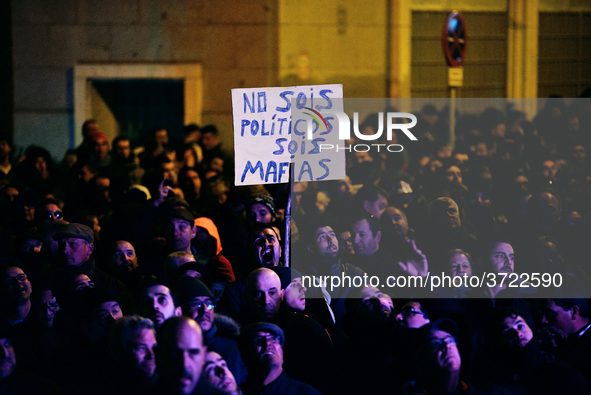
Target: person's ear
(378,236)
(310,248)
(90,248)
(576,312)
(193,232)
(282,294)
(178,311)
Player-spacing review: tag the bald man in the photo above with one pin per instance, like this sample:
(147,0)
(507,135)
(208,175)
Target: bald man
(181,356)
(308,346)
(264,294)
(124,264)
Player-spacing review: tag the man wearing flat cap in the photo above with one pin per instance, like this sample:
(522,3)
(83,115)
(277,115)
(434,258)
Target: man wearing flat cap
(75,248)
(261,346)
(76,244)
(219,332)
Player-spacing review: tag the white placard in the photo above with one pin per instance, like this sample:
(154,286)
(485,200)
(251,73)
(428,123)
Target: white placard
(265,141)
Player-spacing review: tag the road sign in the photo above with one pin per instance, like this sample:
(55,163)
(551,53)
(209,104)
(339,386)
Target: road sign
(455,76)
(454,39)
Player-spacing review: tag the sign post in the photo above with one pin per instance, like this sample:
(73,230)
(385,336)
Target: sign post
(454,41)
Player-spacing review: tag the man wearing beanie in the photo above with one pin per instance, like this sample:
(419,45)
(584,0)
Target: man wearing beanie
(261,209)
(219,332)
(261,346)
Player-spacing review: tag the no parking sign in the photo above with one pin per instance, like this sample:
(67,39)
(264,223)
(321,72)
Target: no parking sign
(454,39)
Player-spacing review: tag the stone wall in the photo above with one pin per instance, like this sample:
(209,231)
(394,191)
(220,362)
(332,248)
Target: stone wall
(239,43)
(334,41)
(234,40)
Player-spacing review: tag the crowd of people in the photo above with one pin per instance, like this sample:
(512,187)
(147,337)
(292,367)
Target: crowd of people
(144,270)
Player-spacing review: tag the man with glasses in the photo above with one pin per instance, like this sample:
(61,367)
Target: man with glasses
(220,333)
(16,317)
(16,296)
(261,346)
(412,315)
(438,361)
(45,304)
(47,211)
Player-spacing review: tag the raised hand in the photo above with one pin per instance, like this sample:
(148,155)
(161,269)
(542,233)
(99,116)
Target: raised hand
(163,192)
(416,264)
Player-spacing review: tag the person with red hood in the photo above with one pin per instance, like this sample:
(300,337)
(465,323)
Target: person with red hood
(209,250)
